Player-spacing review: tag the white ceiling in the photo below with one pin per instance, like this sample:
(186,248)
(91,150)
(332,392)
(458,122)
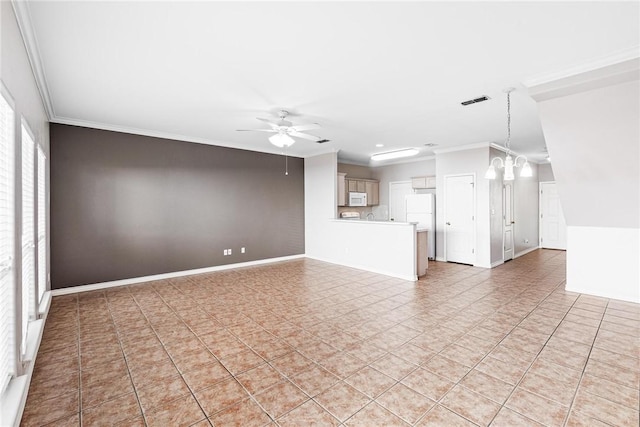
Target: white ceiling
(369,72)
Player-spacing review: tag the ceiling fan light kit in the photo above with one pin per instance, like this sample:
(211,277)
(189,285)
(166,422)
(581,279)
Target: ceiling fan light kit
(281,140)
(284,131)
(408,152)
(509,163)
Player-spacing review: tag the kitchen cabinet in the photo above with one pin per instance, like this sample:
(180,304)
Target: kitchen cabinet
(356,185)
(422,261)
(372,188)
(419,182)
(342,190)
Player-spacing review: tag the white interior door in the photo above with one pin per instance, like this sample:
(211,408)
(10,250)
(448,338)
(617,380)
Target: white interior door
(508,221)
(397,204)
(553,229)
(459,194)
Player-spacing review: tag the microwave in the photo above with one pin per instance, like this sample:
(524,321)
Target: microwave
(357,199)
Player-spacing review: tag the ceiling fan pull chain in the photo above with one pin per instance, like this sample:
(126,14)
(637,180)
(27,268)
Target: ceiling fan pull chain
(286,162)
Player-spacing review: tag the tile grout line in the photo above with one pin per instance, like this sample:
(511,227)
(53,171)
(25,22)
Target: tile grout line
(124,356)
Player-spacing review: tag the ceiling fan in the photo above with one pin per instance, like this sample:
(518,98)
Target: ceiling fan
(284,130)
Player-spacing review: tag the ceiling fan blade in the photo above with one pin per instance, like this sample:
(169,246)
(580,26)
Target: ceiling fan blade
(305,136)
(309,126)
(257,130)
(269,122)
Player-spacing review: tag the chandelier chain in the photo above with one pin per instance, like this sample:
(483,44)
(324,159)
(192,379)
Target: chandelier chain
(509,121)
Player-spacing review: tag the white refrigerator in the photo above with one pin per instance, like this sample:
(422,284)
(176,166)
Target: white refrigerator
(421,208)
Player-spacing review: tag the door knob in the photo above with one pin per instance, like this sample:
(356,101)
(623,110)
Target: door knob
(448,223)
(513,222)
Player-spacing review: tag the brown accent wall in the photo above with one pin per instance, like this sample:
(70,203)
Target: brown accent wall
(125,206)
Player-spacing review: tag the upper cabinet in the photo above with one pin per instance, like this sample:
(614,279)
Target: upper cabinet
(342,189)
(372,188)
(419,182)
(357,185)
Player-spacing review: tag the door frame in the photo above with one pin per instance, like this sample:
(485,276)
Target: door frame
(474,209)
(511,209)
(540,184)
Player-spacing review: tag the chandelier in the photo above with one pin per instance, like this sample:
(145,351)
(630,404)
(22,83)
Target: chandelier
(508,163)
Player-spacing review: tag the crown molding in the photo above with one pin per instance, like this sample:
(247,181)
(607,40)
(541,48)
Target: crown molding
(165,135)
(462,147)
(23,17)
(400,161)
(619,67)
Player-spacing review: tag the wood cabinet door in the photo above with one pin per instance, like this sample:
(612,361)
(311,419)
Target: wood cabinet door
(373,189)
(362,186)
(419,182)
(352,185)
(342,193)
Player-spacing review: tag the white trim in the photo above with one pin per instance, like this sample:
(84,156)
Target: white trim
(489,266)
(23,17)
(582,79)
(371,270)
(400,161)
(441,259)
(13,401)
(497,263)
(463,147)
(526,251)
(45,303)
(123,282)
(269,148)
(618,57)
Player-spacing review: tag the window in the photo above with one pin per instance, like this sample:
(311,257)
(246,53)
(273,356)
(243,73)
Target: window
(7,231)
(28,233)
(42,225)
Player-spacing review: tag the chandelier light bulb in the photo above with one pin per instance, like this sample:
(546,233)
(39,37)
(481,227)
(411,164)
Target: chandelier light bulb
(526,171)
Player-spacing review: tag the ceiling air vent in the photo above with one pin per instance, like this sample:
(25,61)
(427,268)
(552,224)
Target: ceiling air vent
(475,100)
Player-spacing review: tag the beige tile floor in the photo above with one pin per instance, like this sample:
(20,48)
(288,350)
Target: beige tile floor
(305,343)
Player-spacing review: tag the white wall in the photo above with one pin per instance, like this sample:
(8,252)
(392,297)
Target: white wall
(385,248)
(496,213)
(526,212)
(401,172)
(545,173)
(604,261)
(593,137)
(472,161)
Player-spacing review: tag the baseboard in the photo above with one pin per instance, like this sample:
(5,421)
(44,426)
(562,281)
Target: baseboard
(441,259)
(526,251)
(497,263)
(371,270)
(483,265)
(142,279)
(604,294)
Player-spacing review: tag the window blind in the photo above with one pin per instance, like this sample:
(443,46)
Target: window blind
(28,233)
(42,225)
(7,231)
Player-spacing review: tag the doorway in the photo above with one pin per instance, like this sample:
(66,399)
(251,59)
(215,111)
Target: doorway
(508,221)
(459,214)
(397,206)
(553,228)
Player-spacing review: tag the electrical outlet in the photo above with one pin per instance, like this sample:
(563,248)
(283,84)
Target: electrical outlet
(242,250)
(225,252)
(230,252)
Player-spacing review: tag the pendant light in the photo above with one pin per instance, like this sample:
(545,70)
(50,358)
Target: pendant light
(509,163)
